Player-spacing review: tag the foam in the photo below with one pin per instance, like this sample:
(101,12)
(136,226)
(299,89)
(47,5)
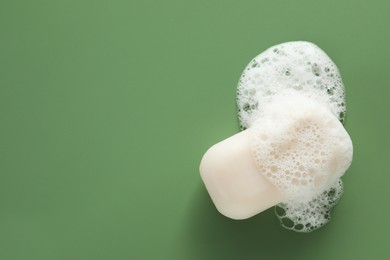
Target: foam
(300,66)
(292,99)
(300,146)
(306,217)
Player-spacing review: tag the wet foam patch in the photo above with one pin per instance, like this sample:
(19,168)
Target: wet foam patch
(300,146)
(306,217)
(293,98)
(300,66)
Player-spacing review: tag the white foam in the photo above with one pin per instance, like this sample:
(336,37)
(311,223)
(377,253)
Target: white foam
(306,217)
(299,66)
(300,146)
(292,98)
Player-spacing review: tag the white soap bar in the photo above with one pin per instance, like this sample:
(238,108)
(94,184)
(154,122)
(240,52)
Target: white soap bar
(229,171)
(295,150)
(291,104)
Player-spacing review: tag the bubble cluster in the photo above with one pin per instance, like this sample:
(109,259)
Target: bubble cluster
(292,99)
(306,217)
(300,146)
(300,66)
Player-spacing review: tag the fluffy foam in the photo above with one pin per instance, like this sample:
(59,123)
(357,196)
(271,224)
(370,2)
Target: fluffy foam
(300,146)
(293,99)
(300,66)
(306,217)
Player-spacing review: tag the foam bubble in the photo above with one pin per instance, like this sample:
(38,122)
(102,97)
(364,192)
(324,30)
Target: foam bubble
(300,146)
(300,66)
(306,217)
(292,98)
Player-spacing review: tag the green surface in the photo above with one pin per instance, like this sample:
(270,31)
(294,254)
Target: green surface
(106,108)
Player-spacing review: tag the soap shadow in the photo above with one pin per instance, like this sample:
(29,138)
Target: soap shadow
(209,235)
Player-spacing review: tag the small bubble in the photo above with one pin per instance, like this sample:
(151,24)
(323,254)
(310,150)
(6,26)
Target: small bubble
(287,222)
(316,69)
(298,227)
(280,211)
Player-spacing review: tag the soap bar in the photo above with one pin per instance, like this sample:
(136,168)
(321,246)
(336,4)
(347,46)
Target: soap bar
(229,171)
(293,149)
(296,150)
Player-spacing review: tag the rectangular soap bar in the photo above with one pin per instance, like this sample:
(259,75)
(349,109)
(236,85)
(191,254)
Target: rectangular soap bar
(233,181)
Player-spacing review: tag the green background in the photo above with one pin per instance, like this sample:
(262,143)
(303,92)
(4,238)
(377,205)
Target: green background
(107,107)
